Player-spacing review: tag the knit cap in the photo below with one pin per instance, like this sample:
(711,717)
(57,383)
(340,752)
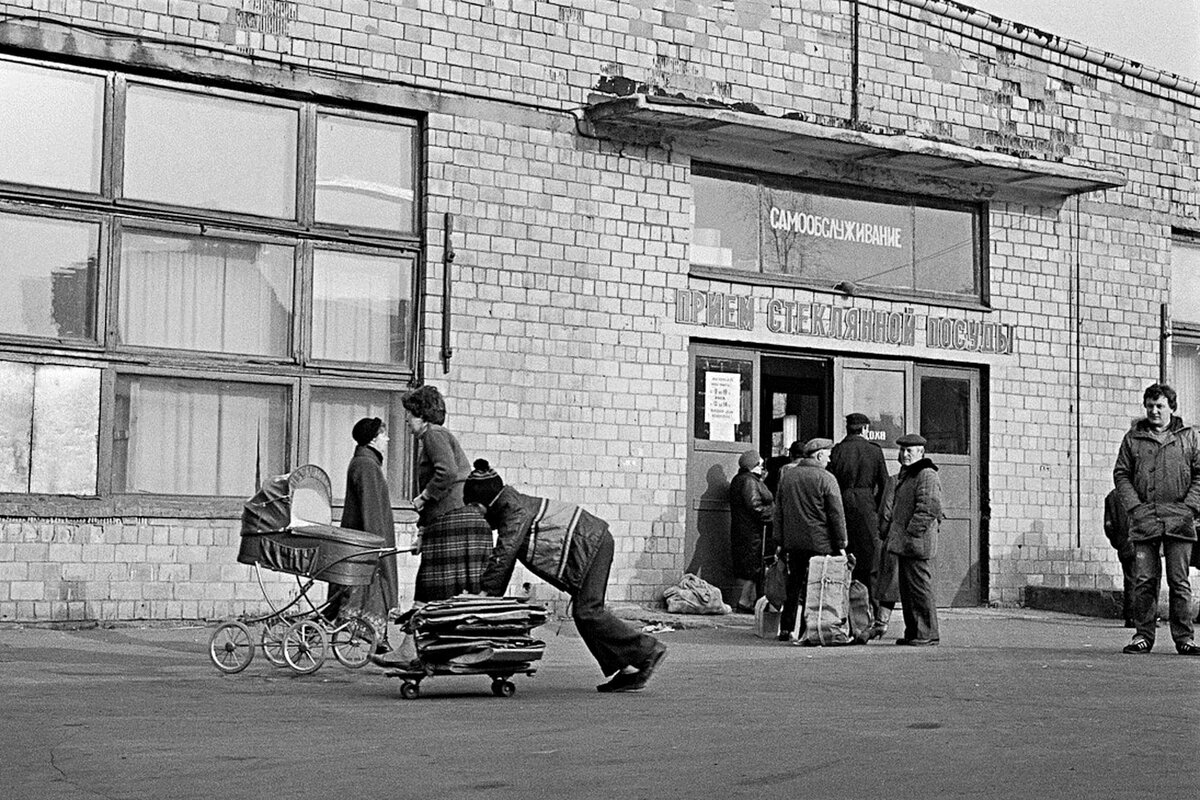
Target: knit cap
(483,484)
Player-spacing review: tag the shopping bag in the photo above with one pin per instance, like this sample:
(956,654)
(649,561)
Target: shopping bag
(827,602)
(775,582)
(861,618)
(766,619)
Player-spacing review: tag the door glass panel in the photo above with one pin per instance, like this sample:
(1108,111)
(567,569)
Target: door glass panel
(191,149)
(364,174)
(50,127)
(724,399)
(880,395)
(205,293)
(946,414)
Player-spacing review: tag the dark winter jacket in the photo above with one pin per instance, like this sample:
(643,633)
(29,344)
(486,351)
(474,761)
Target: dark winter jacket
(1158,482)
(751,507)
(808,510)
(441,470)
(1116,526)
(861,472)
(555,541)
(914,512)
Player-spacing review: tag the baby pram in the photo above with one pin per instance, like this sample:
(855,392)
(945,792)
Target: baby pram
(287,527)
(470,635)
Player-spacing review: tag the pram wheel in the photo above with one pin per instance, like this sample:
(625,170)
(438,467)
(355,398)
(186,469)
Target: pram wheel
(272,641)
(354,641)
(231,647)
(304,646)
(503,688)
(410,690)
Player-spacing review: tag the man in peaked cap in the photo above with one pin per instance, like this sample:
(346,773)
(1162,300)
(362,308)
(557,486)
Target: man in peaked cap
(912,515)
(809,521)
(861,472)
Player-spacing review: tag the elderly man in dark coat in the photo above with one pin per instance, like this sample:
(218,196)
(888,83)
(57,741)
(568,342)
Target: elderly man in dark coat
(912,538)
(861,472)
(809,521)
(751,507)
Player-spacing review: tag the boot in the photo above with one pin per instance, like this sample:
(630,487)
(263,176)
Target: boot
(881,622)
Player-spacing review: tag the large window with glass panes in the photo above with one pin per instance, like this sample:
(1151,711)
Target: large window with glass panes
(780,229)
(1185,324)
(203,287)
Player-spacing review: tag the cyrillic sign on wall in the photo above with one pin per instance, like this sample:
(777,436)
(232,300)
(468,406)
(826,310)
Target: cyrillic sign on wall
(841,322)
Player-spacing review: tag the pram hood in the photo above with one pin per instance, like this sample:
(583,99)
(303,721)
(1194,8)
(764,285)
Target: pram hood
(303,498)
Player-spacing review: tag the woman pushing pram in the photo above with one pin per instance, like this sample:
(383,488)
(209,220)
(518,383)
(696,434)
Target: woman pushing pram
(571,550)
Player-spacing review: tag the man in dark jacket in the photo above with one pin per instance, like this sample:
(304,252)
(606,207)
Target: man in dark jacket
(571,550)
(809,521)
(916,512)
(1157,478)
(861,472)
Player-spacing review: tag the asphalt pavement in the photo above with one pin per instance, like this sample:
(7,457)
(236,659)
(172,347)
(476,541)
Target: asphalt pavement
(1013,704)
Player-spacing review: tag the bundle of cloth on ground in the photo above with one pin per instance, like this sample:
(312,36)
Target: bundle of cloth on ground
(475,634)
(694,595)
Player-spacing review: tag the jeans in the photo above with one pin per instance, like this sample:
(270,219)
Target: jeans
(1147,573)
(612,641)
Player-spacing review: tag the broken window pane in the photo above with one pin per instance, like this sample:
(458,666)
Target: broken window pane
(66,421)
(205,293)
(365,174)
(50,131)
(48,269)
(16,425)
(191,149)
(179,436)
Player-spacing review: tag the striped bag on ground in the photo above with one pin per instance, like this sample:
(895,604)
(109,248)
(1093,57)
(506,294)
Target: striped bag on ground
(827,602)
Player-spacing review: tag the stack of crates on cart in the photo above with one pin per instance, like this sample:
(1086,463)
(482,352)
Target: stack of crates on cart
(470,635)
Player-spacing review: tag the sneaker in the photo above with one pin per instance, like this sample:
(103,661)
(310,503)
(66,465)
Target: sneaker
(621,682)
(1188,648)
(642,676)
(1139,646)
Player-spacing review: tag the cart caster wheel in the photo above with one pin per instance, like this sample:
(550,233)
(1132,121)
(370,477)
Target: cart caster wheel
(304,646)
(410,690)
(504,688)
(231,647)
(272,641)
(354,641)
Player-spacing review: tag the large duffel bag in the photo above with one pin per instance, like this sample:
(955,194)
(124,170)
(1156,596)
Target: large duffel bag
(827,602)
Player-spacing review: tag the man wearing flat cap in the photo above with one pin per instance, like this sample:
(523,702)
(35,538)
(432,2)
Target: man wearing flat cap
(809,521)
(861,472)
(911,518)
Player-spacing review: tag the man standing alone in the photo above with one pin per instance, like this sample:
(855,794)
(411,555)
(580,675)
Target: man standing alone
(809,521)
(861,472)
(912,537)
(1157,477)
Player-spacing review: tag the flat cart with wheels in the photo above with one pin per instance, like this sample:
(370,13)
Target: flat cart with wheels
(287,527)
(470,635)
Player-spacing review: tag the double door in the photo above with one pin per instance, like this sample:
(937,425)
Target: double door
(744,399)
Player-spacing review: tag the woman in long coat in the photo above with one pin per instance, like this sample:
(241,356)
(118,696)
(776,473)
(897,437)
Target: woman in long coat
(751,507)
(368,507)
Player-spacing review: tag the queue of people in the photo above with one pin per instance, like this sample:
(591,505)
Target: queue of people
(458,509)
(838,499)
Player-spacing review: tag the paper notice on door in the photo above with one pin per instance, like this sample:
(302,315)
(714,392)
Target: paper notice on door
(722,405)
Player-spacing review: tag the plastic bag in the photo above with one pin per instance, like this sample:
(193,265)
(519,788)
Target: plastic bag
(694,595)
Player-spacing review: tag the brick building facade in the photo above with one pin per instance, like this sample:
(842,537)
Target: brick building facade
(679,230)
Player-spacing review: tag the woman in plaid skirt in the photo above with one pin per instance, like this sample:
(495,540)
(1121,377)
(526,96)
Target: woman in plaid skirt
(454,541)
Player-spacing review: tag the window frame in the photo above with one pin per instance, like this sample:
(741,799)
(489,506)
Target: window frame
(117,215)
(977,210)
